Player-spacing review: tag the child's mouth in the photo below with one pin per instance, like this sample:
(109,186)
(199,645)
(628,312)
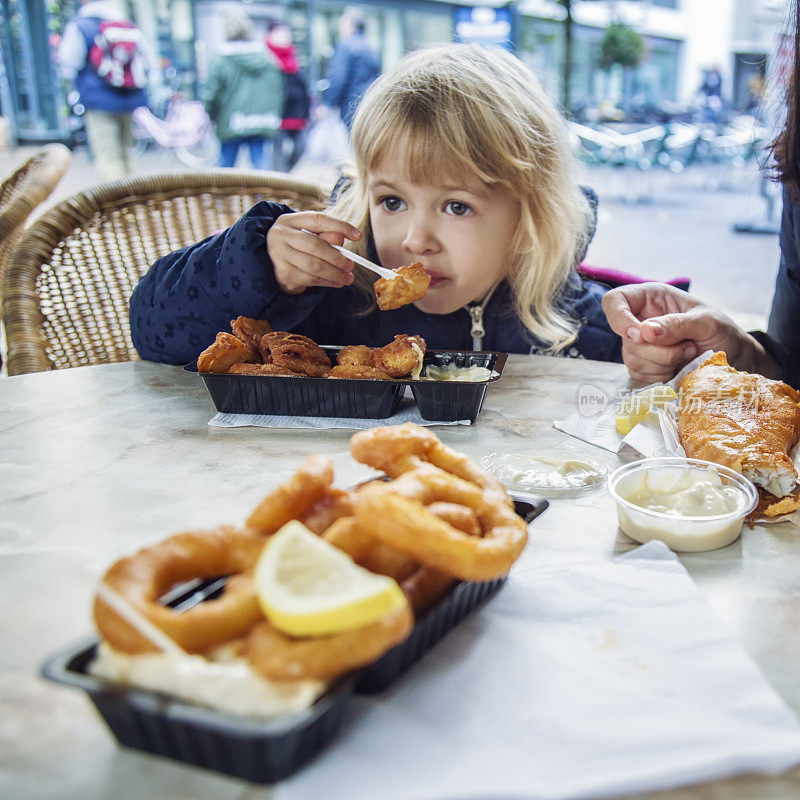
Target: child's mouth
(436,280)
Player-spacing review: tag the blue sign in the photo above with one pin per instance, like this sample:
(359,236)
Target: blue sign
(483,25)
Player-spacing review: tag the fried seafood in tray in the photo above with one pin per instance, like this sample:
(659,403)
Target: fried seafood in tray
(472,527)
(288,374)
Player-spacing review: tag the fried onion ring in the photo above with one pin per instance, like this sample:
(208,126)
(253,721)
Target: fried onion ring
(295,352)
(146,576)
(225,351)
(250,330)
(396,513)
(409,285)
(279,657)
(292,499)
(398,449)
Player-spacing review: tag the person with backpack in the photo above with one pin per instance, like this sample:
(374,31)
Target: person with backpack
(244,94)
(297,103)
(109,61)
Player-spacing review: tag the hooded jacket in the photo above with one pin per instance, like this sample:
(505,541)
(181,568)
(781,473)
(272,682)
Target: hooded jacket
(190,295)
(244,92)
(297,104)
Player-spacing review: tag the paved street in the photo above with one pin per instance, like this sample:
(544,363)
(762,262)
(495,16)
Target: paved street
(656,225)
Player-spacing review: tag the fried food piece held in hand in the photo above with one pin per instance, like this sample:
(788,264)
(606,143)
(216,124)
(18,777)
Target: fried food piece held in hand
(250,330)
(356,355)
(226,351)
(409,286)
(401,358)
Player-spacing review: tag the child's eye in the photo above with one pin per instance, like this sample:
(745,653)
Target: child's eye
(457,209)
(392,203)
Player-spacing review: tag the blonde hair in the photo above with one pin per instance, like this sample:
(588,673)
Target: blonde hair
(468,108)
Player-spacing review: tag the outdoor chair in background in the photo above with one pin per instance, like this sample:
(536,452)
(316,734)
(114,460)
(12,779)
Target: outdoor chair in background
(70,278)
(23,190)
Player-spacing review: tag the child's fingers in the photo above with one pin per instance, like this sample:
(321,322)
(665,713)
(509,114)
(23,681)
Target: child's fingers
(310,271)
(318,251)
(317,222)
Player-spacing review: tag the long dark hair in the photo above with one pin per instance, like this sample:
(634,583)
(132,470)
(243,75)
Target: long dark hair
(786,147)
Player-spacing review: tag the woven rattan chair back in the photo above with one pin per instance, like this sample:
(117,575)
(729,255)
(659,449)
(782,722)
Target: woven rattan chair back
(71,276)
(23,190)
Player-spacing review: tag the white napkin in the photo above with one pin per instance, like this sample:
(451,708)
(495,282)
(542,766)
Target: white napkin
(407,412)
(599,429)
(582,680)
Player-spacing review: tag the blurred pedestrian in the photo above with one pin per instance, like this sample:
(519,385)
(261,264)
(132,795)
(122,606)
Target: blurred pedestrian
(354,65)
(710,95)
(290,143)
(244,95)
(108,59)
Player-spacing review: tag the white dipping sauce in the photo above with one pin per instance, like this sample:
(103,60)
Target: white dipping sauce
(227,685)
(696,509)
(532,473)
(451,372)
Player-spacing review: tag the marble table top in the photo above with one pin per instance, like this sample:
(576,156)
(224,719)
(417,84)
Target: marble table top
(95,462)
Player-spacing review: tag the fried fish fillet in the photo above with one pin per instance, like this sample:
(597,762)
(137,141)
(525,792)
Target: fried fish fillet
(410,285)
(746,422)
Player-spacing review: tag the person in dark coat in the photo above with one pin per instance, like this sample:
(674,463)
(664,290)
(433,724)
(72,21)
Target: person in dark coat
(354,65)
(662,328)
(297,104)
(495,219)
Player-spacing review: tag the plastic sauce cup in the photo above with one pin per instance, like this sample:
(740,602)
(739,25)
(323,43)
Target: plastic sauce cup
(688,534)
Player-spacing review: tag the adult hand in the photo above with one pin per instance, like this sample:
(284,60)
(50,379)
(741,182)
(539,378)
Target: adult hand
(663,328)
(300,259)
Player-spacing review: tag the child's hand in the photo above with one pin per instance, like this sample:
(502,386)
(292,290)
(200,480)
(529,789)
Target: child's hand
(301,259)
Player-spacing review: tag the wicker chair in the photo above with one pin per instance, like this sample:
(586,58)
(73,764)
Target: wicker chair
(70,278)
(23,190)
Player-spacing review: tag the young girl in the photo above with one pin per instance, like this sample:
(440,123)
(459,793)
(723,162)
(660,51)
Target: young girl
(462,164)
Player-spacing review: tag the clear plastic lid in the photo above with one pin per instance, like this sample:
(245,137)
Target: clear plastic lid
(553,472)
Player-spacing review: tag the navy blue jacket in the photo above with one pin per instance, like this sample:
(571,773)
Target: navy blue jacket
(353,67)
(782,340)
(95,93)
(189,295)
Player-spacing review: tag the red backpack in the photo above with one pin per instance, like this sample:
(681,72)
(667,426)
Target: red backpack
(116,55)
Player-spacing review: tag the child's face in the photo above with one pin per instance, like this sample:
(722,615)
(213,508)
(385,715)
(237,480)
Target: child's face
(459,229)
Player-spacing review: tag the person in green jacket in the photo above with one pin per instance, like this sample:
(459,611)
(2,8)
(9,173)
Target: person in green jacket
(244,95)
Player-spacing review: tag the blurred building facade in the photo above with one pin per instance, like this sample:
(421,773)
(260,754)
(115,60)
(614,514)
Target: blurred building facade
(682,39)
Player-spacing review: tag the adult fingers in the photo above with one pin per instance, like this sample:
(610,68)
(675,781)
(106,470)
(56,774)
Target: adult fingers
(647,362)
(696,324)
(617,308)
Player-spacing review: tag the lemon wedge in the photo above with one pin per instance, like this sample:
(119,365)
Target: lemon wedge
(634,408)
(307,587)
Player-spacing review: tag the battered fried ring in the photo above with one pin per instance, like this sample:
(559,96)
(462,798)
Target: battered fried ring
(398,449)
(250,330)
(262,369)
(399,358)
(368,552)
(292,499)
(409,285)
(295,352)
(357,355)
(396,513)
(279,657)
(146,576)
(461,517)
(223,353)
(333,505)
(358,371)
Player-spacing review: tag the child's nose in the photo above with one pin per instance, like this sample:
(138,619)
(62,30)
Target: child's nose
(420,238)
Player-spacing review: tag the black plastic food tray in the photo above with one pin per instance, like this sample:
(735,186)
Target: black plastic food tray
(262,751)
(367,398)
